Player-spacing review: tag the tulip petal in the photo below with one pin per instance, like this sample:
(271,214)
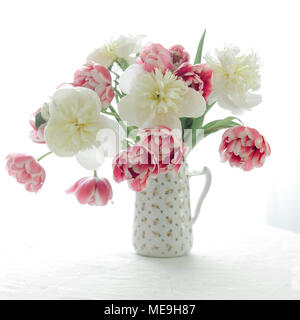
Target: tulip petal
(129,110)
(193,105)
(103,191)
(90,159)
(170,120)
(86,190)
(129,76)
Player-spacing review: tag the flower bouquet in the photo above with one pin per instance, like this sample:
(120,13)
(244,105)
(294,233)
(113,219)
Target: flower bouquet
(145,107)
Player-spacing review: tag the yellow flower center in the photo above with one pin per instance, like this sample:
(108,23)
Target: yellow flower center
(161,93)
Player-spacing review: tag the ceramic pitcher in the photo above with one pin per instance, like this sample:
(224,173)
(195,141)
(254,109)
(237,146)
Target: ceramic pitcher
(163,221)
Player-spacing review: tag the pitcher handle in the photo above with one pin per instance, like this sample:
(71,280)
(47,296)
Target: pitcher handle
(205,171)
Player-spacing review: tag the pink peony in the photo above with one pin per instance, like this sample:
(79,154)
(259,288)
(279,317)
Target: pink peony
(198,77)
(97,78)
(178,55)
(92,191)
(154,57)
(244,147)
(165,146)
(135,164)
(26,170)
(37,135)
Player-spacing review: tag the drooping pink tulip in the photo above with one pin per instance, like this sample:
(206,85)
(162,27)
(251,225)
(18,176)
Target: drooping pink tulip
(244,147)
(154,57)
(198,77)
(92,190)
(26,170)
(97,78)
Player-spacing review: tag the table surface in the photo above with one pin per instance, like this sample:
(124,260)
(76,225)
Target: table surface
(243,262)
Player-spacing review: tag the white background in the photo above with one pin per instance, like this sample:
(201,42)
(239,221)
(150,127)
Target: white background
(44,42)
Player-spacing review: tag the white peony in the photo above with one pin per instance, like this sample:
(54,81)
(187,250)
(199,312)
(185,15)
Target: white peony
(125,47)
(157,99)
(235,78)
(74,122)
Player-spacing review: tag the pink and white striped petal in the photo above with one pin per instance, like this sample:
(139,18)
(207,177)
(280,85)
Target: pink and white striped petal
(93,191)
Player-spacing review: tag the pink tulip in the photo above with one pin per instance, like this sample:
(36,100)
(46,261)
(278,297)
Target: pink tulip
(198,77)
(135,164)
(97,78)
(244,147)
(178,55)
(26,170)
(92,190)
(154,57)
(37,135)
(158,150)
(165,146)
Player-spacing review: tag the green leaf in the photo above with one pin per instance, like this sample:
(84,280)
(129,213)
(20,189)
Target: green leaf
(209,106)
(39,120)
(123,64)
(198,122)
(132,132)
(124,144)
(183,121)
(217,125)
(188,123)
(200,48)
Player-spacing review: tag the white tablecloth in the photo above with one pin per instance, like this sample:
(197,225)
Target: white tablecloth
(242,262)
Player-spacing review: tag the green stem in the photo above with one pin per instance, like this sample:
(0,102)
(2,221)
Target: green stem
(108,113)
(209,106)
(114,73)
(115,113)
(123,64)
(116,94)
(95,174)
(44,155)
(117,117)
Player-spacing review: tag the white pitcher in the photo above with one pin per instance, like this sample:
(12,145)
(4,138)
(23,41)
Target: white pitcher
(163,221)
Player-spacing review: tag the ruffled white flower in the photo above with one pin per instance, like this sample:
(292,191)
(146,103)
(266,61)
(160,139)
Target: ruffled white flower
(124,47)
(157,99)
(235,78)
(74,122)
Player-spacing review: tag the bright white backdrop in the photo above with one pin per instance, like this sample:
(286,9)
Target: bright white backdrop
(43,42)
